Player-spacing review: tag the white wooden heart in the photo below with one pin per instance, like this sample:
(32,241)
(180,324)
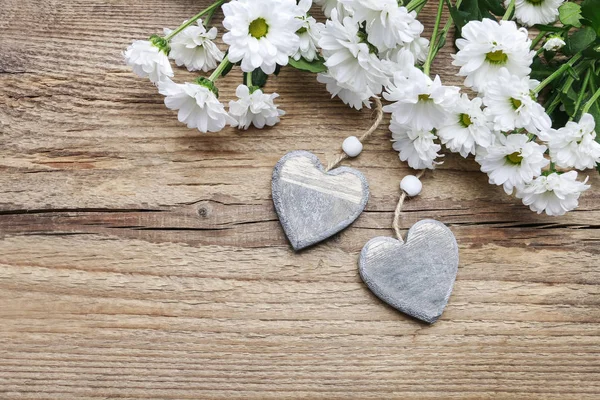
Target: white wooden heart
(415,277)
(312,204)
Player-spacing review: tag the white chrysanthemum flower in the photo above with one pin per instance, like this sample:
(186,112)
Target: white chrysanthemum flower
(328,5)
(511,105)
(148,61)
(575,146)
(487,46)
(197,104)
(555,194)
(353,99)
(512,161)
(531,12)
(419,48)
(309,34)
(262,34)
(417,147)
(349,59)
(554,43)
(466,128)
(254,108)
(399,61)
(195,49)
(419,101)
(387,24)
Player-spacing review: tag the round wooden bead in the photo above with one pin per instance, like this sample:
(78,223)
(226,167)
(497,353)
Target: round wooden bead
(411,185)
(352,146)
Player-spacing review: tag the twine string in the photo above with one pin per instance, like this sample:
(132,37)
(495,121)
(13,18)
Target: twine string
(396,223)
(378,118)
(366,135)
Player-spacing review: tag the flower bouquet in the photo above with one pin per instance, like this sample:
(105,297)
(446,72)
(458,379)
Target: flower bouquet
(527,112)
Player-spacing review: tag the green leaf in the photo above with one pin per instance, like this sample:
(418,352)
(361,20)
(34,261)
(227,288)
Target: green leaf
(259,78)
(590,11)
(540,70)
(595,112)
(580,40)
(494,6)
(549,28)
(559,118)
(549,55)
(460,18)
(314,66)
(568,101)
(570,14)
(593,51)
(470,10)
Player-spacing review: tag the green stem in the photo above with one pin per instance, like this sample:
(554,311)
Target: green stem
(553,105)
(567,85)
(419,8)
(593,86)
(569,81)
(249,79)
(557,73)
(582,91)
(433,43)
(444,31)
(590,102)
(537,39)
(195,18)
(509,10)
(217,72)
(414,4)
(209,17)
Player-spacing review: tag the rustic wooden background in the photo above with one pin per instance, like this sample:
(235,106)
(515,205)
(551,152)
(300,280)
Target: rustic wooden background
(140,259)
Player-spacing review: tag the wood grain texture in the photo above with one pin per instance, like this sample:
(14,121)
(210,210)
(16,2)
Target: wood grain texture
(143,260)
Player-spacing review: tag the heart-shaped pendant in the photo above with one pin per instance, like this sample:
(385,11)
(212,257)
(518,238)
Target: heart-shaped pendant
(415,277)
(312,204)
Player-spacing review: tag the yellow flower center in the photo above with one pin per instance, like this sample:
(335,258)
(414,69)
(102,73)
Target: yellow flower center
(424,97)
(516,103)
(496,57)
(258,28)
(515,158)
(535,2)
(464,120)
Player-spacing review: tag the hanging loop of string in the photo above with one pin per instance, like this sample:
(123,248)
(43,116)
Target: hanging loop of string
(396,223)
(342,156)
(378,118)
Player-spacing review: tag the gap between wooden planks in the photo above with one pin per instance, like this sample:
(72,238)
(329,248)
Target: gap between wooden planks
(139,259)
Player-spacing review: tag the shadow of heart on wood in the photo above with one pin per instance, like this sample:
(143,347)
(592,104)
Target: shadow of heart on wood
(415,277)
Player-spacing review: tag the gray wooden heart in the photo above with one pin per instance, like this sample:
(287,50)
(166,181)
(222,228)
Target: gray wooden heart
(415,277)
(312,204)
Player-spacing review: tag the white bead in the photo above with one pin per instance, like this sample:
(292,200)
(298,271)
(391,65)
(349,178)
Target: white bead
(411,185)
(352,146)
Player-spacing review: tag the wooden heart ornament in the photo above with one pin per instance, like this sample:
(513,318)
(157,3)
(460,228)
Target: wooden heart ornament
(312,204)
(415,277)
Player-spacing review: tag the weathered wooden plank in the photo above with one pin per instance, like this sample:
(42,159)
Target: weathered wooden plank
(140,259)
